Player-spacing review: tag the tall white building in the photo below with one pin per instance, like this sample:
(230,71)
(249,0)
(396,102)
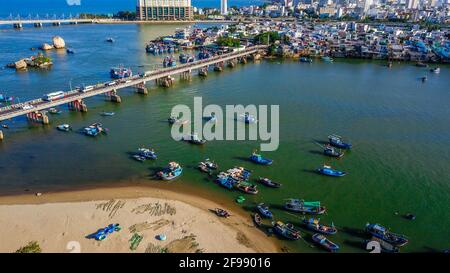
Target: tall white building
(224,7)
(164,10)
(412,4)
(367,4)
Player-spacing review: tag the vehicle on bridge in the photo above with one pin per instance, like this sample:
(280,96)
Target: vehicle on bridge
(54,96)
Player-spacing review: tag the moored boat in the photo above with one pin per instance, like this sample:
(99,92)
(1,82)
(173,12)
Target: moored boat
(247,118)
(110,40)
(327,170)
(139,158)
(327,59)
(172,171)
(259,159)
(257,219)
(286,230)
(194,139)
(436,70)
(147,153)
(64,127)
(4,98)
(325,242)
(264,210)
(120,72)
(313,224)
(421,64)
(337,141)
(221,212)
(107,114)
(70,51)
(385,235)
(226,181)
(301,206)
(54,111)
(94,129)
(246,187)
(269,183)
(305,60)
(331,151)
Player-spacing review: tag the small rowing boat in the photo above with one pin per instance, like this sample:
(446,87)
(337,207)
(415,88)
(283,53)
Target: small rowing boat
(333,152)
(54,111)
(325,243)
(194,139)
(108,114)
(221,212)
(385,235)
(257,219)
(139,158)
(269,183)
(264,210)
(313,224)
(327,170)
(247,118)
(436,70)
(147,153)
(64,127)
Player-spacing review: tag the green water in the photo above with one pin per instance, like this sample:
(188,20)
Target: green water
(398,125)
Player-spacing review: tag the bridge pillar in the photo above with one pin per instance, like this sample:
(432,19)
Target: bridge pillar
(74,23)
(38,24)
(243,60)
(186,75)
(56,24)
(78,105)
(39,117)
(203,72)
(141,88)
(1,135)
(18,25)
(112,96)
(218,67)
(232,63)
(166,81)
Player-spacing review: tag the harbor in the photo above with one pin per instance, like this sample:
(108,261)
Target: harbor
(378,109)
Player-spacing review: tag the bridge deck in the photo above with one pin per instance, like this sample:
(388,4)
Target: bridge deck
(15,110)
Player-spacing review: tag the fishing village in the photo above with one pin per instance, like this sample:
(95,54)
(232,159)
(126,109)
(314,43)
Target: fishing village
(158,211)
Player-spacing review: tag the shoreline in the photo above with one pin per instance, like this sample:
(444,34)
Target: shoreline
(49,207)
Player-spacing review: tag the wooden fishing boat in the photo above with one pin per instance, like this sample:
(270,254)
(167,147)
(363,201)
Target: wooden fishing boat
(338,142)
(325,243)
(246,187)
(269,183)
(194,139)
(221,212)
(313,224)
(147,153)
(259,159)
(139,158)
(327,170)
(330,151)
(302,206)
(286,230)
(64,127)
(382,233)
(264,210)
(172,171)
(257,219)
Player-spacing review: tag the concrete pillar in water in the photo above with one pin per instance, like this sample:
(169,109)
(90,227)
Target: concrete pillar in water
(38,24)
(45,119)
(18,25)
(1,135)
(114,97)
(141,89)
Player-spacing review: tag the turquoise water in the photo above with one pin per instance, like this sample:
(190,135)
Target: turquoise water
(399,127)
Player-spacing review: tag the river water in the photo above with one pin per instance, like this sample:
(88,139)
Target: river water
(399,127)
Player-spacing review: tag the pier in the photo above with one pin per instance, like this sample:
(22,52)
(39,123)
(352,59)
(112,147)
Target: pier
(36,109)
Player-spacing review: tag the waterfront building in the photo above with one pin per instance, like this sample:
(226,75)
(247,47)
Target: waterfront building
(224,7)
(164,10)
(412,4)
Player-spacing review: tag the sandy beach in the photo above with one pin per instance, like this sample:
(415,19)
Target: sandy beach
(60,222)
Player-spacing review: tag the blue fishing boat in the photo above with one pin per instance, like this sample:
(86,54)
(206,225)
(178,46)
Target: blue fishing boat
(264,210)
(147,153)
(337,141)
(120,72)
(305,60)
(226,181)
(70,51)
(325,243)
(301,206)
(169,62)
(186,58)
(172,171)
(4,98)
(313,224)
(327,170)
(385,235)
(94,129)
(259,159)
(239,173)
(286,230)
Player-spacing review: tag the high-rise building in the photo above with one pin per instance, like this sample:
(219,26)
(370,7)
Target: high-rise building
(164,10)
(412,4)
(367,4)
(224,7)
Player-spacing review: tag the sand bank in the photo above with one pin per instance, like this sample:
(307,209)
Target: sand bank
(60,222)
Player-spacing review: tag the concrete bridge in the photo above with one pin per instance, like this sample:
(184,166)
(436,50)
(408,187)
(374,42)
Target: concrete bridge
(35,109)
(19,23)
